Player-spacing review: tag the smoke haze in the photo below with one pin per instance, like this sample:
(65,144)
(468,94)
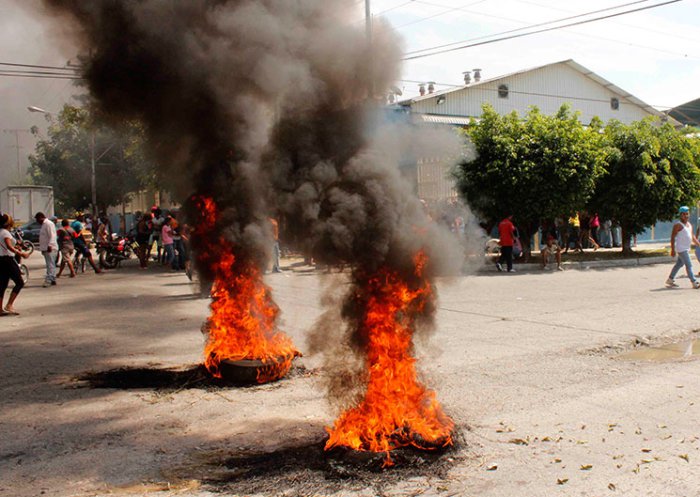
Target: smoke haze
(263,106)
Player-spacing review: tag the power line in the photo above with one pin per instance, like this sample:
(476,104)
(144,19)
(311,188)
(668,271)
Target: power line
(450,9)
(393,8)
(38,76)
(529,26)
(504,38)
(645,28)
(34,66)
(27,72)
(611,40)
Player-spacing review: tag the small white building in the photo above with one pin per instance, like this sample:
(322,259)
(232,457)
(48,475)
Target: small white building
(547,87)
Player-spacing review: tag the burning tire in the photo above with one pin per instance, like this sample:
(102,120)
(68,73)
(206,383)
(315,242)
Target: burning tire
(254,371)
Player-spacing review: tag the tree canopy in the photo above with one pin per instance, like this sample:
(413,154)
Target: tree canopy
(539,167)
(650,171)
(63,160)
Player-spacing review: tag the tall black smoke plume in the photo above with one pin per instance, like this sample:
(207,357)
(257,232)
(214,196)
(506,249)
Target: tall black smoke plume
(264,106)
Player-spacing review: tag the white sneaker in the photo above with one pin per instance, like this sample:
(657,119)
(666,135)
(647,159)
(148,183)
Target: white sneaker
(696,284)
(559,268)
(46,284)
(671,284)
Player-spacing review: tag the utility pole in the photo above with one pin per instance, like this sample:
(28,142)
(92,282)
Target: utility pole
(93,183)
(370,58)
(93,159)
(17,147)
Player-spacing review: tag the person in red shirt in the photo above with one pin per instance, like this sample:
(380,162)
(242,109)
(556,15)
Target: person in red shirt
(506,233)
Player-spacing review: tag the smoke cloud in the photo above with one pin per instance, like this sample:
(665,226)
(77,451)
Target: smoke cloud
(265,106)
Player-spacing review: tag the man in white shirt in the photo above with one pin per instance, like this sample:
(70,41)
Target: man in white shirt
(681,238)
(48,244)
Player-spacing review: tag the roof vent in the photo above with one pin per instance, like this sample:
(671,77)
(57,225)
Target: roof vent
(421,89)
(477,75)
(431,86)
(467,77)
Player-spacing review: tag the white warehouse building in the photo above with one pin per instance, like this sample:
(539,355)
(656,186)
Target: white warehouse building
(546,87)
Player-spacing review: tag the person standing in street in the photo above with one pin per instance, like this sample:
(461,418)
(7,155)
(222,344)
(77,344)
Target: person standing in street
(681,238)
(143,233)
(65,236)
(179,256)
(166,236)
(82,249)
(9,269)
(48,244)
(506,234)
(275,245)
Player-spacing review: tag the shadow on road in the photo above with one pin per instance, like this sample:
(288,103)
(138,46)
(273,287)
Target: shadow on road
(195,376)
(305,468)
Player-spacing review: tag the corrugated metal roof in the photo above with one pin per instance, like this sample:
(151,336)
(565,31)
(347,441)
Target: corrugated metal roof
(607,84)
(569,62)
(437,119)
(688,113)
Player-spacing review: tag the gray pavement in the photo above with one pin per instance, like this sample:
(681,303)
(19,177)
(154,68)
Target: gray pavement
(527,364)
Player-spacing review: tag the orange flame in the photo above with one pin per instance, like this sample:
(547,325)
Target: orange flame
(396,410)
(242,324)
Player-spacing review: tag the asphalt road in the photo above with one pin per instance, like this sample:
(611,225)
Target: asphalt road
(527,364)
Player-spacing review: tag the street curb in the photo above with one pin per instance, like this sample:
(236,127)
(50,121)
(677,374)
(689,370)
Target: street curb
(584,265)
(640,261)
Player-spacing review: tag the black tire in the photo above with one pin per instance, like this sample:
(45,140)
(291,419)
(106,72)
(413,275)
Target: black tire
(28,246)
(108,261)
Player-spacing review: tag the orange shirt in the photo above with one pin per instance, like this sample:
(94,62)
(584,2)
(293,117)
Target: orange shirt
(275,228)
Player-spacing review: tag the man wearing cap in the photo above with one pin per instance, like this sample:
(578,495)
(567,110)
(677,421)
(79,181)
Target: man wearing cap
(48,244)
(681,238)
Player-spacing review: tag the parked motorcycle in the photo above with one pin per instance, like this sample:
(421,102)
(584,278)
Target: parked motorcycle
(116,251)
(25,245)
(23,270)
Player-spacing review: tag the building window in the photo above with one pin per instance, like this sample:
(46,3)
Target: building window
(502,91)
(614,103)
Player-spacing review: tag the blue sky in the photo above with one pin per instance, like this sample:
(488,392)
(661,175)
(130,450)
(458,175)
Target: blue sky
(653,54)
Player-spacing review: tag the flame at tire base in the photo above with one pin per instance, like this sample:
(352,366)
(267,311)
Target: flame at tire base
(242,323)
(396,410)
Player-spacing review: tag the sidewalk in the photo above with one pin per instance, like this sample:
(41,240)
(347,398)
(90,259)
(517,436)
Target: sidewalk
(593,261)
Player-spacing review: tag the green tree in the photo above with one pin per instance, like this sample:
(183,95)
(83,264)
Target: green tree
(63,160)
(542,167)
(650,171)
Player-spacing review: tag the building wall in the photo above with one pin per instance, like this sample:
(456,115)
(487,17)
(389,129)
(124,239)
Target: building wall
(143,201)
(534,88)
(434,181)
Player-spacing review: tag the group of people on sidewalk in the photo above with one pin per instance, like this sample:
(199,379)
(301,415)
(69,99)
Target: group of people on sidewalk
(170,237)
(509,242)
(682,239)
(54,242)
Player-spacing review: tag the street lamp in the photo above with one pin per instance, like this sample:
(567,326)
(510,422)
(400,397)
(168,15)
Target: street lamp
(93,186)
(33,108)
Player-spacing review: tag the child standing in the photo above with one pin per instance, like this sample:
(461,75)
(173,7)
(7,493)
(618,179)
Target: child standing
(166,236)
